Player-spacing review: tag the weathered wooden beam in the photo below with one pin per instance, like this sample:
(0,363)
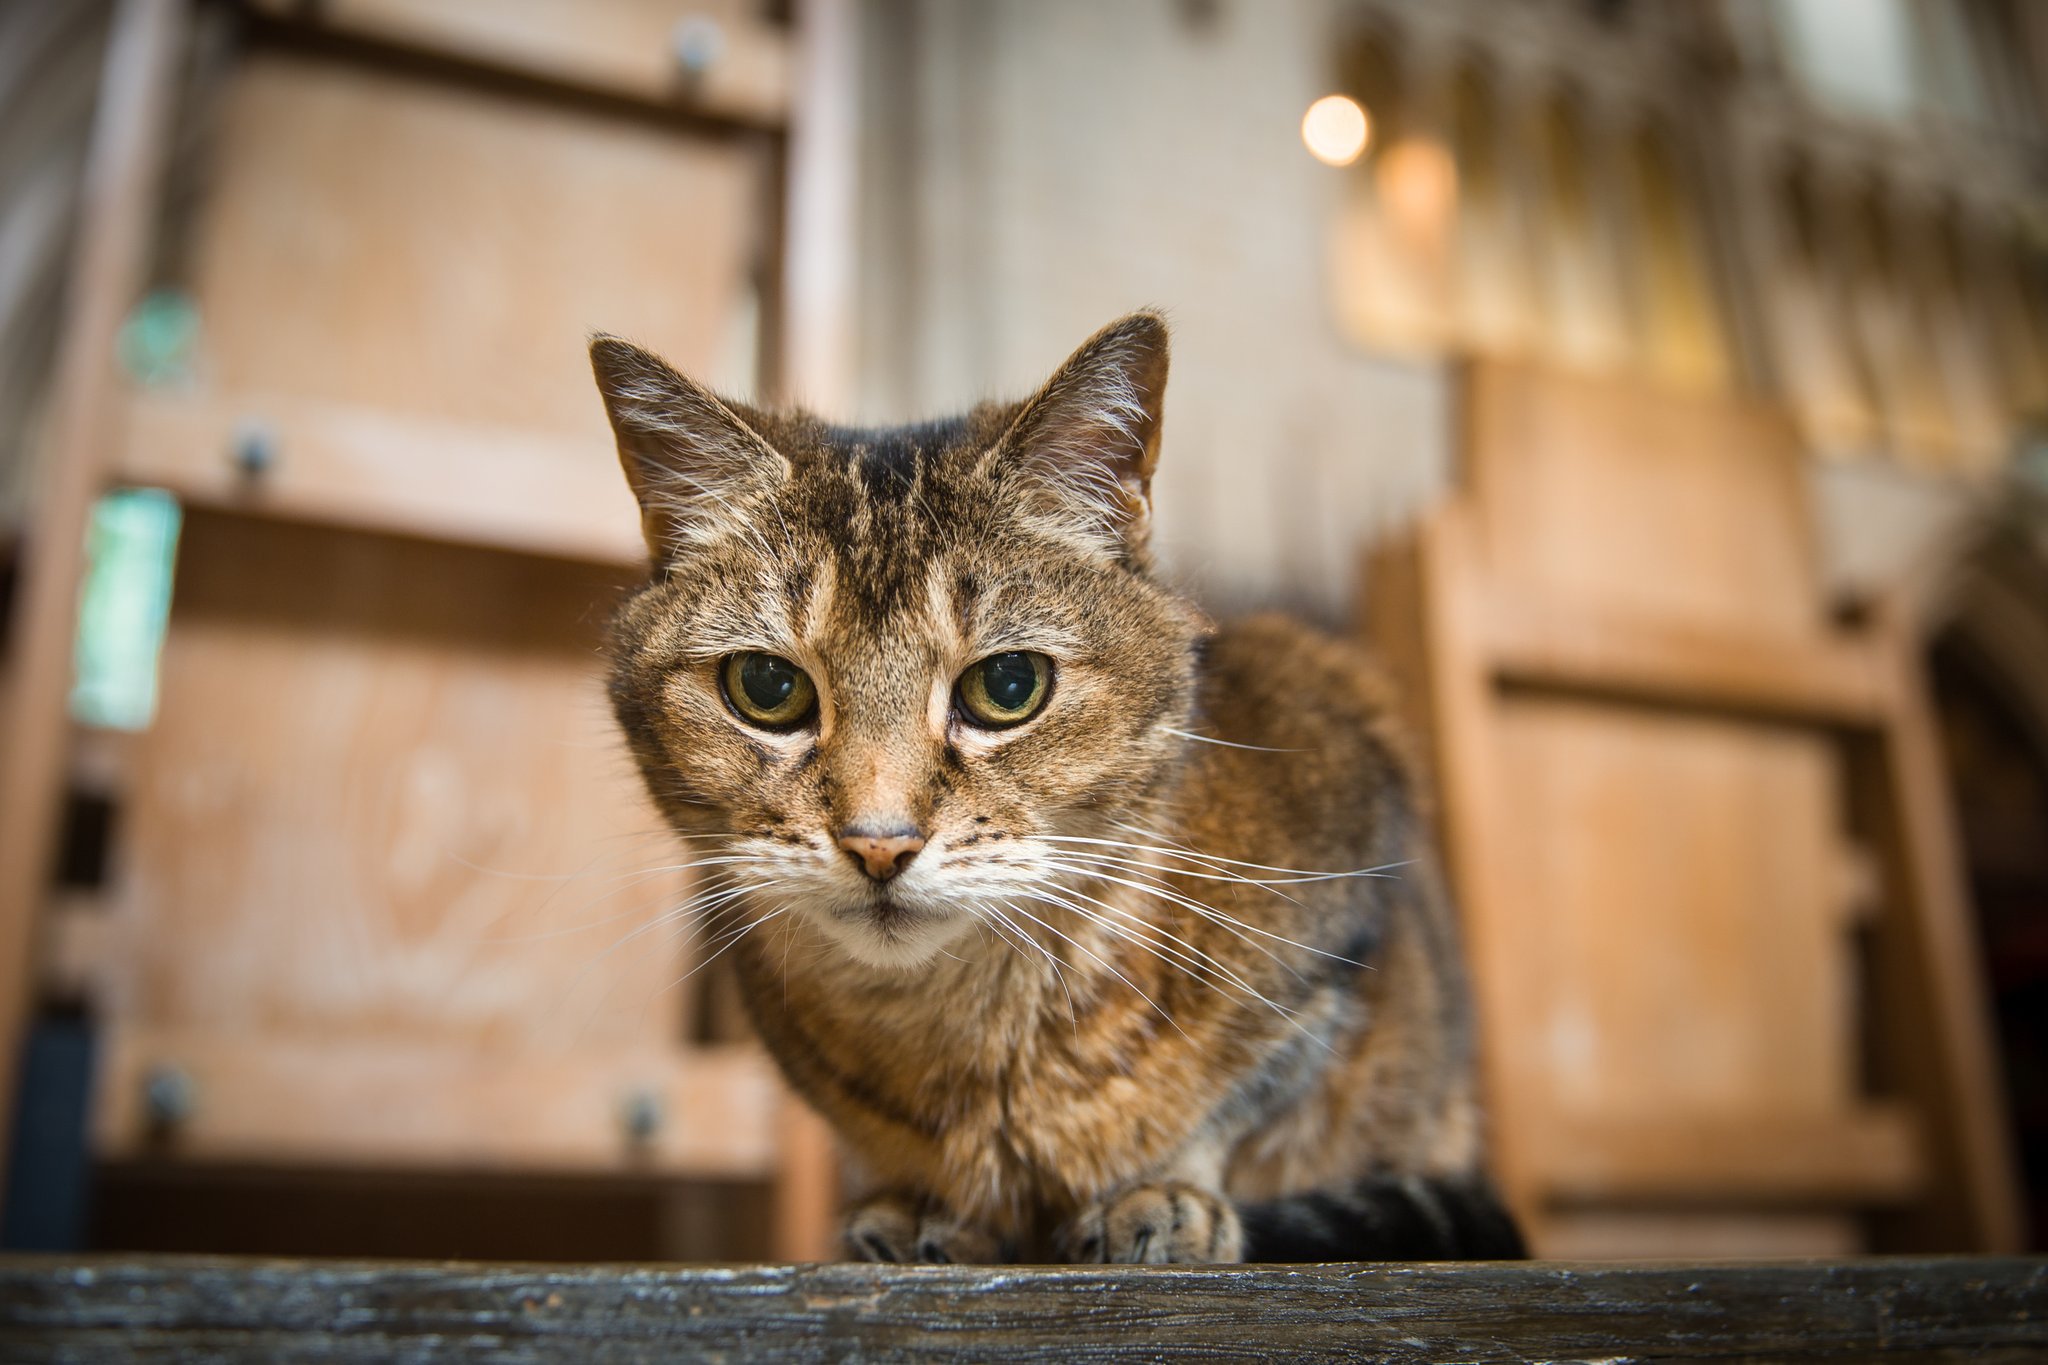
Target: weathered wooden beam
(227,1310)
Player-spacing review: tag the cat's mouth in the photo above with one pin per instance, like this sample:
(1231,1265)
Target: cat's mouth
(890,911)
(894,916)
(887,928)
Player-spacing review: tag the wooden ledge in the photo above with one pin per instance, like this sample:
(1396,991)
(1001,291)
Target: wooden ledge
(1870,1154)
(401,474)
(1831,678)
(266,1100)
(100,1308)
(625,52)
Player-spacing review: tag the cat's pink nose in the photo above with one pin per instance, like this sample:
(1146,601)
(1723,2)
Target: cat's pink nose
(882,856)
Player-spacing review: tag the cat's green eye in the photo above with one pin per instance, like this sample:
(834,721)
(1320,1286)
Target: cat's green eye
(1006,689)
(768,690)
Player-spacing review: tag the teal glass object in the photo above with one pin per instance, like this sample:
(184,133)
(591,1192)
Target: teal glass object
(131,552)
(159,340)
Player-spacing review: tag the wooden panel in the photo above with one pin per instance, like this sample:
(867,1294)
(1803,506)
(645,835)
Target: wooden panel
(434,251)
(163,1308)
(384,796)
(1606,494)
(620,47)
(366,468)
(281,1099)
(1674,885)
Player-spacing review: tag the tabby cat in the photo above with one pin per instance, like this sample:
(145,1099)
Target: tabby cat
(1098,933)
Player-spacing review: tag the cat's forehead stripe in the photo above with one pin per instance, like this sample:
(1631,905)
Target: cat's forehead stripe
(889,459)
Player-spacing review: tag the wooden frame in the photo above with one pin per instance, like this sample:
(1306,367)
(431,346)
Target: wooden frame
(1470,623)
(359,468)
(123,171)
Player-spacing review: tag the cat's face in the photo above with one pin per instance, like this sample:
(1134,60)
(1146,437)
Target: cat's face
(892,670)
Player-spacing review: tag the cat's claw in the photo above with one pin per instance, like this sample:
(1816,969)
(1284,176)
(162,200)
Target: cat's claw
(1155,1225)
(891,1227)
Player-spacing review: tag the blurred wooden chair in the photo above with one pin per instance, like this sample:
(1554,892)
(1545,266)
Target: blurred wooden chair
(1699,836)
(371,895)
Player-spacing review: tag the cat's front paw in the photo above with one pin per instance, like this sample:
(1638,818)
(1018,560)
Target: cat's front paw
(1155,1225)
(895,1227)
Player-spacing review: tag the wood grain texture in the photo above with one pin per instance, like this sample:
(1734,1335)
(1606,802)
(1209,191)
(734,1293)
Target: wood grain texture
(383,798)
(1670,901)
(101,1309)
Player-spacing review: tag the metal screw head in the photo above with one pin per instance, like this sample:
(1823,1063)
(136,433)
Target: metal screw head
(169,1095)
(254,449)
(698,44)
(641,1115)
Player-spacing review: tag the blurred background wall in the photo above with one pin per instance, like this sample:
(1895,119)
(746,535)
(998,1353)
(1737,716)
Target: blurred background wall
(983,261)
(1657,386)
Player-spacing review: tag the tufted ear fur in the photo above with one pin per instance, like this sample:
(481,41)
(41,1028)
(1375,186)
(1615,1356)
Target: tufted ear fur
(1088,441)
(691,457)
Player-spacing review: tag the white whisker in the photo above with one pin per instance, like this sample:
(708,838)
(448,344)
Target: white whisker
(1212,913)
(1104,965)
(1052,962)
(749,928)
(1231,743)
(1174,958)
(1174,898)
(698,907)
(1383,870)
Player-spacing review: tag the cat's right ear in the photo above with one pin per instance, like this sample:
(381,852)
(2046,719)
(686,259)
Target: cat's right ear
(1085,445)
(692,461)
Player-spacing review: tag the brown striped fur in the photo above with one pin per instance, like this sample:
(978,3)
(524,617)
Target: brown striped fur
(1030,1050)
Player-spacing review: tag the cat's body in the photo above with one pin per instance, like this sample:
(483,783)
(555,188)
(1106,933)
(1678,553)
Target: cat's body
(1151,965)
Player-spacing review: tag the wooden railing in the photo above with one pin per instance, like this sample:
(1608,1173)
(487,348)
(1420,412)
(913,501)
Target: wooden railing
(101,1308)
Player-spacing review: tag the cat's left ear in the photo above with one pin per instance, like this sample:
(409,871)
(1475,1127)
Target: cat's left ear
(1088,441)
(695,462)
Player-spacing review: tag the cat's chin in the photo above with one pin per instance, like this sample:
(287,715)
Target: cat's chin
(892,937)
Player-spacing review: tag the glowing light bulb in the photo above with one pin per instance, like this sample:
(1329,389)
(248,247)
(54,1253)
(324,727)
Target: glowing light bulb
(1335,130)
